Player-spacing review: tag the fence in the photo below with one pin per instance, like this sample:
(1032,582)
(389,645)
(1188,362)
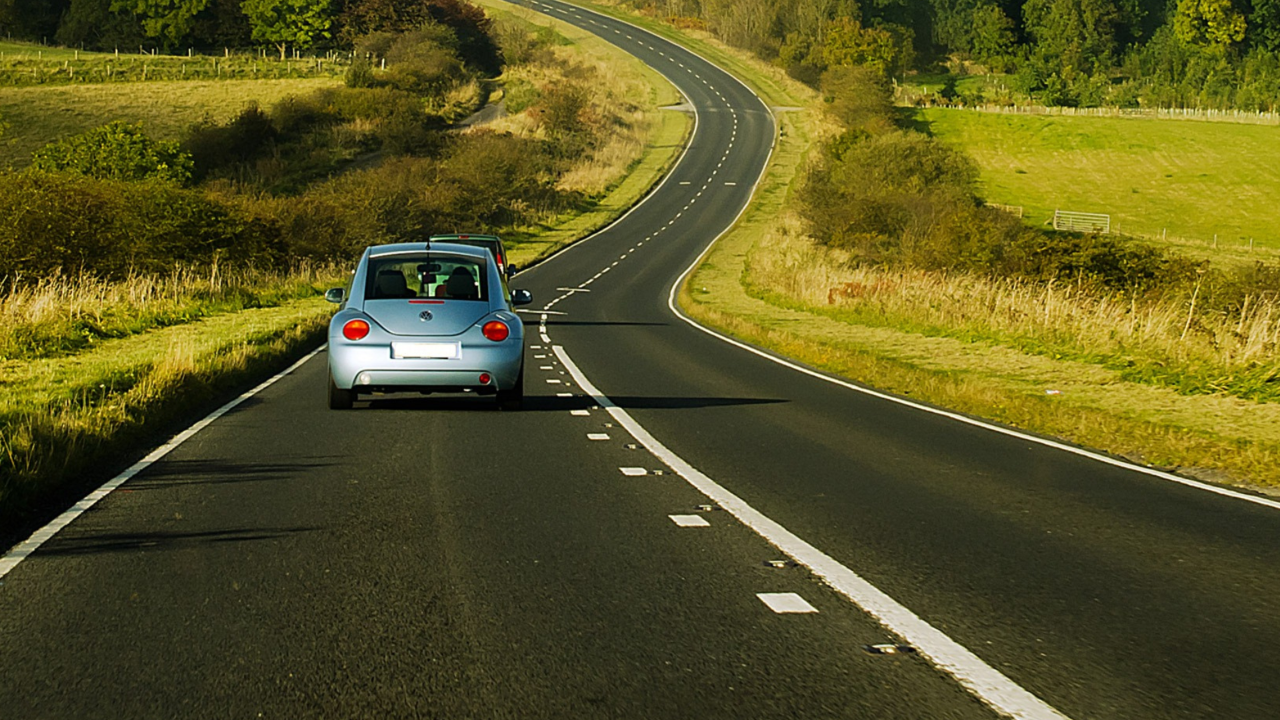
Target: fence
(1081,222)
(1231,116)
(1014,210)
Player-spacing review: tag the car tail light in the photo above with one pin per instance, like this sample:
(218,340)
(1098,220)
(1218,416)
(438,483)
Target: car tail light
(496,330)
(485,378)
(355,330)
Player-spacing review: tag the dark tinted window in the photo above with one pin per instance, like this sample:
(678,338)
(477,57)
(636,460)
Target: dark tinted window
(447,277)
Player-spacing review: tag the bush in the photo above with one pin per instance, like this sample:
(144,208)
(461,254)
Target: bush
(213,147)
(58,222)
(359,74)
(117,151)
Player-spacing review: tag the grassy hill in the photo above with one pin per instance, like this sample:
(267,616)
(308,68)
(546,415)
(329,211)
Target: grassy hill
(40,114)
(1189,180)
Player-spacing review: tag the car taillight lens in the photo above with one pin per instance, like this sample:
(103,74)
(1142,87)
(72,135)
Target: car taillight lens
(496,331)
(355,330)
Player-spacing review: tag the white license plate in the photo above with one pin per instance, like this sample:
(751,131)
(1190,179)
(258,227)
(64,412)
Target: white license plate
(425,351)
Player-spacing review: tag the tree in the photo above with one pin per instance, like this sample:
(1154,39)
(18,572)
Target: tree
(168,20)
(1212,24)
(848,43)
(992,38)
(288,22)
(1075,34)
(1264,24)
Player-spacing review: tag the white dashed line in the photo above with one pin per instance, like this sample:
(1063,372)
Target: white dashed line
(782,603)
(546,367)
(552,381)
(633,471)
(597,436)
(984,681)
(580,413)
(689,520)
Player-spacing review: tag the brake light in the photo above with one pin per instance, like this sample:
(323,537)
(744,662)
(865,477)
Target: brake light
(355,330)
(496,330)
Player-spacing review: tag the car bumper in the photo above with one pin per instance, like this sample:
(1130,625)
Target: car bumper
(371,367)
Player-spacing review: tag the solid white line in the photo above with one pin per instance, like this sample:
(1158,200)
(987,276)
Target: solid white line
(984,681)
(24,549)
(689,520)
(786,603)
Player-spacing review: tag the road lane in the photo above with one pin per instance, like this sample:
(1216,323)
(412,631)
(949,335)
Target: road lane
(435,557)
(430,557)
(1107,592)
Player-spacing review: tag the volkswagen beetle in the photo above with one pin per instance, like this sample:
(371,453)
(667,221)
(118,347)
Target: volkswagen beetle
(426,317)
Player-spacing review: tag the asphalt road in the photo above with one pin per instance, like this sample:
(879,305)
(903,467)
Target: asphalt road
(424,557)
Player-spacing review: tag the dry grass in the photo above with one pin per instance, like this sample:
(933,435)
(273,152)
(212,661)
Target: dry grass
(623,97)
(1236,355)
(60,315)
(38,115)
(641,143)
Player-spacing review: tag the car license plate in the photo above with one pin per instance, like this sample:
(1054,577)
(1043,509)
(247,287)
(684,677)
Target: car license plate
(425,351)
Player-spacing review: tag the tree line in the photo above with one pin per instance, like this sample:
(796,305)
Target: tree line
(215,24)
(1167,53)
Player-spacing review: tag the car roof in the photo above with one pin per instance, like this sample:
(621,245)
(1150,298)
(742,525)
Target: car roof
(404,248)
(465,236)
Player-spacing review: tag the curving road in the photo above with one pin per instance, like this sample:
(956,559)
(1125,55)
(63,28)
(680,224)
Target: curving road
(607,552)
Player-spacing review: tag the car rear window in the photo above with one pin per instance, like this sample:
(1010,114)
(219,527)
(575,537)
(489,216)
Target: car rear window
(446,277)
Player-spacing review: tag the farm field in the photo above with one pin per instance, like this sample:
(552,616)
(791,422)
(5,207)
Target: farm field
(1188,179)
(37,115)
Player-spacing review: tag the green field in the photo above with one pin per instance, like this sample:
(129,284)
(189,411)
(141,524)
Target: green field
(41,114)
(1185,179)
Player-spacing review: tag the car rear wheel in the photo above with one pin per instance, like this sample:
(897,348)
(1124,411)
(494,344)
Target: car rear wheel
(513,399)
(340,399)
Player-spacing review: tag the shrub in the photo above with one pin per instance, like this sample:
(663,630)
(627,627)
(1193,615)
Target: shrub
(117,151)
(244,138)
(359,74)
(58,222)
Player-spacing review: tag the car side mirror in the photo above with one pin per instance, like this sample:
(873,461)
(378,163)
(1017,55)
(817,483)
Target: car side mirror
(521,297)
(335,295)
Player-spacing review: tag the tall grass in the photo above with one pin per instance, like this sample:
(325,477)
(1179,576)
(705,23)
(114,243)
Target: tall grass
(63,314)
(1158,339)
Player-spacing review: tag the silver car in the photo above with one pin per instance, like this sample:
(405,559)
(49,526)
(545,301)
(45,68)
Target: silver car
(426,317)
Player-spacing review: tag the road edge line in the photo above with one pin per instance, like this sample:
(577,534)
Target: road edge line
(27,547)
(985,682)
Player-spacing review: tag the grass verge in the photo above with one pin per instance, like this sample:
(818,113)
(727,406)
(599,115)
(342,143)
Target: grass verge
(65,418)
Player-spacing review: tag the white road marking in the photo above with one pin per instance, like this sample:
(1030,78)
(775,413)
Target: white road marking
(786,603)
(979,678)
(564,394)
(24,549)
(597,436)
(633,471)
(552,381)
(689,520)
(580,413)
(546,367)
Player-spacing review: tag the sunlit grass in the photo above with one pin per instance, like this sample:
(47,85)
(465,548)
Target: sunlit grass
(39,115)
(1157,178)
(63,315)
